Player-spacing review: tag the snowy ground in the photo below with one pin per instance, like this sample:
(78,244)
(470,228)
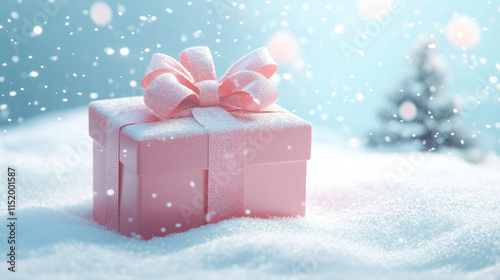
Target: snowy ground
(369,215)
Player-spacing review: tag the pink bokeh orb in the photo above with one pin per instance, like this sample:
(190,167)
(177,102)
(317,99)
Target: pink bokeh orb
(408,111)
(463,31)
(372,8)
(283,47)
(100,13)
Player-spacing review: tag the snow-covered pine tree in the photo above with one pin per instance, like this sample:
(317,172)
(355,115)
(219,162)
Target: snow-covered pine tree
(419,113)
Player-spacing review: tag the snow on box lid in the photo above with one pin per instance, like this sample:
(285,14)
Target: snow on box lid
(157,145)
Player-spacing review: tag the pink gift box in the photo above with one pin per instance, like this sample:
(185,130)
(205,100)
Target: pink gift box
(163,167)
(194,150)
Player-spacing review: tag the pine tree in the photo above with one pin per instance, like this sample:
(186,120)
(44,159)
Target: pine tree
(420,113)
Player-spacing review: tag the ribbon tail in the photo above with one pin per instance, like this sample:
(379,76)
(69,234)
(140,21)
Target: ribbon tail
(226,163)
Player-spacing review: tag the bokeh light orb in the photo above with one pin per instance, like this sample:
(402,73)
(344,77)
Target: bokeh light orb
(100,13)
(372,8)
(463,31)
(408,111)
(283,47)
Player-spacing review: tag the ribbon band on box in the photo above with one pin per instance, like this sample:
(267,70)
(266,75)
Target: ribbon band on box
(190,88)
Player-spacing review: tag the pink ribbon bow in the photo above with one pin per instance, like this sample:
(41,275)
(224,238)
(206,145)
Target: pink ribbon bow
(172,86)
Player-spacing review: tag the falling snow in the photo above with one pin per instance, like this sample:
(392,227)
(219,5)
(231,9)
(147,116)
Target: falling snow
(337,60)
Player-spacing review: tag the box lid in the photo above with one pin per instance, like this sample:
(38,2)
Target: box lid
(157,145)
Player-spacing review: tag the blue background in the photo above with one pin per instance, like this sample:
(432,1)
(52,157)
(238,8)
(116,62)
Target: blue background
(72,53)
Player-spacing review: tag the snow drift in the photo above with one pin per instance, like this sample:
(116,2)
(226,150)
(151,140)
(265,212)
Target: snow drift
(369,215)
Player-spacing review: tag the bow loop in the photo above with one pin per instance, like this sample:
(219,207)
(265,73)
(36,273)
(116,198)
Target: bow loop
(198,61)
(249,91)
(167,96)
(162,64)
(259,61)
